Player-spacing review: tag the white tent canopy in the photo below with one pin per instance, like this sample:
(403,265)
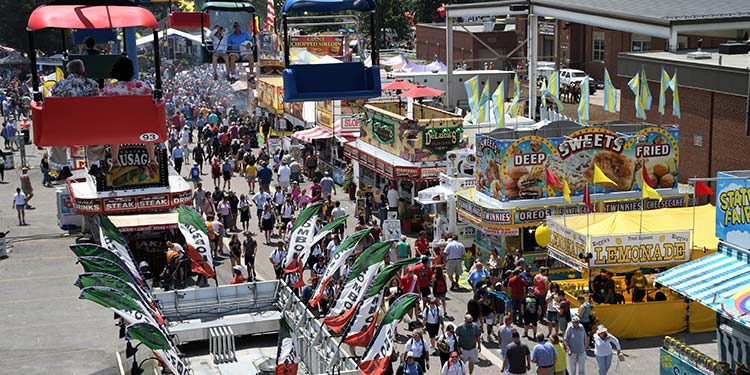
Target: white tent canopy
(150,38)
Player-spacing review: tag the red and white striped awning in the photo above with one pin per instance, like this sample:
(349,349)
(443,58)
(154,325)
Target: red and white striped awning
(309,135)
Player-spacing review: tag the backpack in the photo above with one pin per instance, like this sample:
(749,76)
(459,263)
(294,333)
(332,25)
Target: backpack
(531,305)
(441,286)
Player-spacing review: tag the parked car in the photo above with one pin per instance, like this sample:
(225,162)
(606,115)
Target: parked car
(569,76)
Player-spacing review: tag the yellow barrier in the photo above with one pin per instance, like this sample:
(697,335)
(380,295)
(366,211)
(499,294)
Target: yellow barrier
(627,321)
(702,319)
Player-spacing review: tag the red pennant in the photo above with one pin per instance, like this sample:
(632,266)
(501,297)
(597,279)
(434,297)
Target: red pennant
(337,323)
(646,177)
(300,283)
(363,338)
(316,299)
(551,179)
(587,198)
(702,189)
(199,264)
(287,369)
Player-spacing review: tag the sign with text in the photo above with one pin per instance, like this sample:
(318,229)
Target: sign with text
(566,241)
(640,249)
(324,114)
(135,169)
(441,140)
(516,169)
(319,45)
(733,209)
(670,363)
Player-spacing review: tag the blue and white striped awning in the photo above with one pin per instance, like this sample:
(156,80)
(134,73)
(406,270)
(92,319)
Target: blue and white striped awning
(720,281)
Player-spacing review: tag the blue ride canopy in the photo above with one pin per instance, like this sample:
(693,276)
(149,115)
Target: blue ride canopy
(317,6)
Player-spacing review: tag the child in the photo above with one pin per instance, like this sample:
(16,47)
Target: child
(530,318)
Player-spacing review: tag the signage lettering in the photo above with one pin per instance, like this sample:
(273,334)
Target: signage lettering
(88,205)
(530,216)
(645,151)
(590,141)
(735,206)
(496,216)
(153,201)
(441,140)
(640,249)
(532,158)
(127,203)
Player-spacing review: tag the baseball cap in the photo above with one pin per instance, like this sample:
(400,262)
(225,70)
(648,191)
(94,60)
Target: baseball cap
(576,318)
(515,334)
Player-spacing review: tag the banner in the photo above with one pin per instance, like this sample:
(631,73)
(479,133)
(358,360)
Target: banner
(733,210)
(373,254)
(644,250)
(322,233)
(337,261)
(377,357)
(115,299)
(136,169)
(168,357)
(194,229)
(349,298)
(94,250)
(319,45)
(516,169)
(364,321)
(672,364)
(300,241)
(88,279)
(287,361)
(386,274)
(112,239)
(104,265)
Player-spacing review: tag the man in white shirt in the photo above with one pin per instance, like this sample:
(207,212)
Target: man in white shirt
(454,254)
(276,258)
(432,317)
(336,213)
(333,245)
(260,198)
(603,342)
(285,175)
(19,202)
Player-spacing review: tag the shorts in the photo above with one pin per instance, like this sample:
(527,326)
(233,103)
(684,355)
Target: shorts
(432,329)
(439,295)
(285,220)
(20,206)
(530,319)
(227,175)
(454,267)
(552,316)
(470,355)
(215,174)
(250,178)
(265,186)
(425,290)
(249,261)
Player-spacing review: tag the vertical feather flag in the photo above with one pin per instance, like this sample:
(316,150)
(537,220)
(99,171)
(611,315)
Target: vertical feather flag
(554,85)
(647,192)
(484,109)
(675,97)
(498,105)
(635,87)
(472,94)
(256,25)
(583,106)
(551,179)
(516,96)
(543,108)
(610,95)
(664,84)
(566,190)
(645,92)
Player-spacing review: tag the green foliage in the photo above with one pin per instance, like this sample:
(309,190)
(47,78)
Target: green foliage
(13,19)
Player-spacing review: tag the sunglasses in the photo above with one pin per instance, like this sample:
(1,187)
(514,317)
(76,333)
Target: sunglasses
(454,356)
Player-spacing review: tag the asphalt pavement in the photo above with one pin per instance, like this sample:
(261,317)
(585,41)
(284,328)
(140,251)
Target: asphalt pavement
(47,329)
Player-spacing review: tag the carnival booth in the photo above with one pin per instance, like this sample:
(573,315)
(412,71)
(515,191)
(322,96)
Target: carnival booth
(521,174)
(634,244)
(721,281)
(409,151)
(439,205)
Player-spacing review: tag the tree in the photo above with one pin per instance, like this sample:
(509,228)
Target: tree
(426,11)
(13,21)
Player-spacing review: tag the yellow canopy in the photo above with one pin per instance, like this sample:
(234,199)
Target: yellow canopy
(701,220)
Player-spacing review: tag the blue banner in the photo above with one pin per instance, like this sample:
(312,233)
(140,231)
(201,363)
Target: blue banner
(733,210)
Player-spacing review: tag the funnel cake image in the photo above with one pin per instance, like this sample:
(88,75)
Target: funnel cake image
(618,167)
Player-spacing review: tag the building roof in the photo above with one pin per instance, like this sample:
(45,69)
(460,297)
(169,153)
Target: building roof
(740,61)
(668,11)
(664,12)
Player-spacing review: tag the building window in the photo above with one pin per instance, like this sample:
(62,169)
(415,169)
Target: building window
(598,46)
(640,43)
(682,42)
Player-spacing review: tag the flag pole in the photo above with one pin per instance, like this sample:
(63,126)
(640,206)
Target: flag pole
(695,198)
(640,221)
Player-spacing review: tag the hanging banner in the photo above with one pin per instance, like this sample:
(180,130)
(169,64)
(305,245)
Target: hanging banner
(345,249)
(733,210)
(515,169)
(364,321)
(349,298)
(644,250)
(112,240)
(377,356)
(319,45)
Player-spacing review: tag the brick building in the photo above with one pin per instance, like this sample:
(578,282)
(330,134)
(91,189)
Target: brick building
(430,41)
(714,128)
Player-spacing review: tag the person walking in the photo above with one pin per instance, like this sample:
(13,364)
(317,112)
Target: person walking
(249,248)
(454,254)
(575,346)
(541,287)
(517,287)
(26,187)
(19,202)
(244,208)
(506,335)
(603,343)
(517,358)
(543,355)
(419,349)
(469,337)
(560,357)
(454,366)
(447,344)
(177,158)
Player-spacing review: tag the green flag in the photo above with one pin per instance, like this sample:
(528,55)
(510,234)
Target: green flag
(110,230)
(92,250)
(189,216)
(104,265)
(112,298)
(399,307)
(353,240)
(307,213)
(88,279)
(373,254)
(386,274)
(149,334)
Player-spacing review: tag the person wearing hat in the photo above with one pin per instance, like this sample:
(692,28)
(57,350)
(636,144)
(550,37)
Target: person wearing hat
(517,358)
(237,278)
(603,343)
(639,284)
(409,366)
(574,341)
(446,344)
(479,274)
(418,349)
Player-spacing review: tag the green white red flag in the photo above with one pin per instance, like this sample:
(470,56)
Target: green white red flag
(348,300)
(377,357)
(337,261)
(365,321)
(112,240)
(194,229)
(287,359)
